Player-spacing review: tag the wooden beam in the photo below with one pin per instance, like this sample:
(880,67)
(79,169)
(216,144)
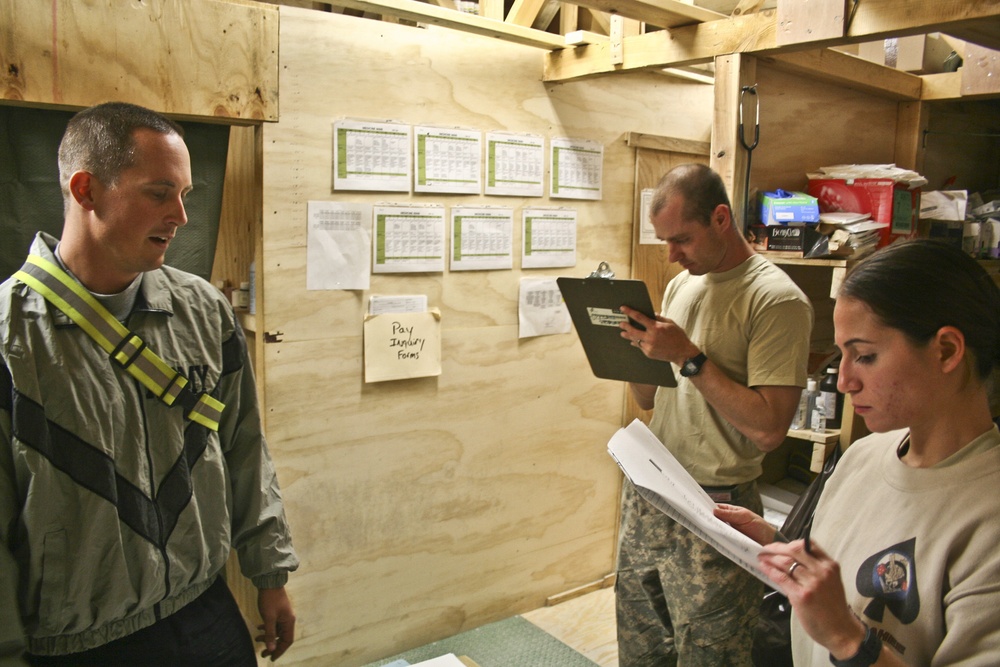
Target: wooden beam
(670,144)
(850,71)
(569,18)
(491,9)
(808,20)
(523,12)
(662,13)
(688,45)
(757,34)
(421,12)
(728,156)
(877,19)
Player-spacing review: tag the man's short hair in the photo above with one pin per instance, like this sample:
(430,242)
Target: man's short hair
(701,189)
(101,140)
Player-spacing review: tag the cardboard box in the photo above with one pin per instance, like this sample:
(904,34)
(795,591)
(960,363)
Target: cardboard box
(799,239)
(781,208)
(886,201)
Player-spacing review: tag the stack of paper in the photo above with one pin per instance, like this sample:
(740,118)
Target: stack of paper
(851,235)
(663,482)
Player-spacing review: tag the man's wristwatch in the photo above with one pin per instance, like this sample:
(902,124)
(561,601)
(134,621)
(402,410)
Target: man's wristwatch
(692,366)
(868,652)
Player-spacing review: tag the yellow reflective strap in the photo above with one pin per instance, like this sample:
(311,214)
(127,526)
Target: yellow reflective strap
(207,412)
(130,351)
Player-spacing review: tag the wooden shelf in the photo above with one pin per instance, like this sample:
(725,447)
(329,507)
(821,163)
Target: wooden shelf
(783,257)
(827,437)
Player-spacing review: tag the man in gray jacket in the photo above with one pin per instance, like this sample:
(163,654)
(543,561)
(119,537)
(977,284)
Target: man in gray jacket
(131,453)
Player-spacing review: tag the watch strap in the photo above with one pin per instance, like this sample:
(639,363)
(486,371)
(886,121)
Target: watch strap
(692,366)
(868,652)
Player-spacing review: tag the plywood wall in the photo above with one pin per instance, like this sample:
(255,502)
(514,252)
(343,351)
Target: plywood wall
(426,507)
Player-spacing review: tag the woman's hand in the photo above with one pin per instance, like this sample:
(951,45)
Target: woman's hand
(811,580)
(748,523)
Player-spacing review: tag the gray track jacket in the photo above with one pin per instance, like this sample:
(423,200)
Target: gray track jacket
(118,510)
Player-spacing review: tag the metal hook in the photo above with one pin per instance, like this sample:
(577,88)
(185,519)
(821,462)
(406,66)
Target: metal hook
(756,135)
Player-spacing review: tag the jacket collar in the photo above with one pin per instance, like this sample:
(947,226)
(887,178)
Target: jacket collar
(154,295)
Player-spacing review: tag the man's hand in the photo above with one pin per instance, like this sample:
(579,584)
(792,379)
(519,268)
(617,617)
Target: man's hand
(662,339)
(279,622)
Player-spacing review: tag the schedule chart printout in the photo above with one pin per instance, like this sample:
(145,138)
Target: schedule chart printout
(448,160)
(408,239)
(371,155)
(338,248)
(549,237)
(515,164)
(482,238)
(577,168)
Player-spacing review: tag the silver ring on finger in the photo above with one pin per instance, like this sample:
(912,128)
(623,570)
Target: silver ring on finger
(791,569)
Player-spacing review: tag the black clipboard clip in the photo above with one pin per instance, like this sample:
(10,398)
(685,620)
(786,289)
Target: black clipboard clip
(603,271)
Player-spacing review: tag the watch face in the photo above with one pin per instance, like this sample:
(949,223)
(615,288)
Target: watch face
(692,366)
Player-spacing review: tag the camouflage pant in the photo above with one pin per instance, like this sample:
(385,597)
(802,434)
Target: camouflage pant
(678,600)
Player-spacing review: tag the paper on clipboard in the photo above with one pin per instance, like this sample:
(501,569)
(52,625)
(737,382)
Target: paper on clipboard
(663,482)
(594,306)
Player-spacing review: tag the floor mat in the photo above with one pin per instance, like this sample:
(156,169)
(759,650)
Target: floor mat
(513,642)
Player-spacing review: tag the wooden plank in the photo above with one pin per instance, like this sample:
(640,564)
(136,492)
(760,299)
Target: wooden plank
(729,157)
(687,45)
(661,13)
(809,20)
(421,12)
(671,144)
(851,71)
(569,18)
(524,12)
(946,86)
(213,58)
(980,71)
(757,34)
(912,120)
(491,9)
(974,22)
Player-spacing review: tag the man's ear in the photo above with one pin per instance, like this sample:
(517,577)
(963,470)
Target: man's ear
(81,187)
(722,216)
(950,342)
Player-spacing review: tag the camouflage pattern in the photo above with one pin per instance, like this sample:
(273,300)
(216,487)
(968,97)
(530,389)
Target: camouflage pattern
(678,600)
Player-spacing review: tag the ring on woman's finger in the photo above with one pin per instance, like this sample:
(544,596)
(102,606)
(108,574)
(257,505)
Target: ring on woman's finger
(791,569)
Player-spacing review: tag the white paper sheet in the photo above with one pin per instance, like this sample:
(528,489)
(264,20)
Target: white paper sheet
(482,238)
(371,155)
(408,239)
(663,481)
(515,164)
(577,168)
(338,245)
(541,310)
(447,160)
(647,233)
(549,237)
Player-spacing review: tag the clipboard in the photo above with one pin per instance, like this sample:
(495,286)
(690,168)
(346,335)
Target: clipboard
(593,305)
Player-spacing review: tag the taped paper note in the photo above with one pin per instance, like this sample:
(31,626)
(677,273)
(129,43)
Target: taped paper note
(400,346)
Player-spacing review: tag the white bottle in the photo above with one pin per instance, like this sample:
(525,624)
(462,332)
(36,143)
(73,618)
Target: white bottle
(799,422)
(816,410)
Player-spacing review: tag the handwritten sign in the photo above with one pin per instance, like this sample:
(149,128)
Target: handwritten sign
(399,346)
